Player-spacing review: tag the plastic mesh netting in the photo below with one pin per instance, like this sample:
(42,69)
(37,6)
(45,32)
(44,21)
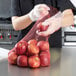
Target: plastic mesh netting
(32,33)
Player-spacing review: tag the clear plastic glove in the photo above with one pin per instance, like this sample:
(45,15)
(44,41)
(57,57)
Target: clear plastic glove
(53,23)
(38,11)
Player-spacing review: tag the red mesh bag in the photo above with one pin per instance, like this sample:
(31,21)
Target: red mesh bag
(32,33)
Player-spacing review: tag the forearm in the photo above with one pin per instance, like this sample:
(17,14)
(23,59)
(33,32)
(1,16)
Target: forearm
(67,18)
(22,22)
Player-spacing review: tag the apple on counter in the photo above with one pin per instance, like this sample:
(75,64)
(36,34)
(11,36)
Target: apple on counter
(12,58)
(34,61)
(45,58)
(22,61)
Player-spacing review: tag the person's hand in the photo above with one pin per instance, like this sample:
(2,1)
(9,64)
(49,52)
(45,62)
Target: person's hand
(38,11)
(54,24)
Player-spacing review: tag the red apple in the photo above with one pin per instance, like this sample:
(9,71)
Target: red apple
(34,61)
(41,27)
(33,41)
(45,58)
(21,47)
(24,42)
(43,45)
(22,61)
(12,58)
(33,49)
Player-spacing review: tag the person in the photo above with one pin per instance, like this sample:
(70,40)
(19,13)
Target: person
(26,12)
(73,2)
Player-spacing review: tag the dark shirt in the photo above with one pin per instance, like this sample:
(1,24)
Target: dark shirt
(22,7)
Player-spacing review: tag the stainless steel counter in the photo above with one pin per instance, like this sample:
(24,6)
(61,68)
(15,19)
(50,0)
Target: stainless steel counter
(63,63)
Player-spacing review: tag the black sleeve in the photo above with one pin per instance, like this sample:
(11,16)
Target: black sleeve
(64,4)
(15,8)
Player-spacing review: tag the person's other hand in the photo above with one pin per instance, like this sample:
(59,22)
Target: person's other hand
(39,11)
(54,24)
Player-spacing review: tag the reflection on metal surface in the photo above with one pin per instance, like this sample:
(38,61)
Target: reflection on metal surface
(52,70)
(66,63)
(63,63)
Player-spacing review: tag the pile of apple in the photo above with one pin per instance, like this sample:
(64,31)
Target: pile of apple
(30,54)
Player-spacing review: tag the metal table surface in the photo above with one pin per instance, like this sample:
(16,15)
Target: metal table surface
(63,63)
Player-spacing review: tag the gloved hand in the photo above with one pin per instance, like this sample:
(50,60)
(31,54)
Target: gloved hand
(53,23)
(38,11)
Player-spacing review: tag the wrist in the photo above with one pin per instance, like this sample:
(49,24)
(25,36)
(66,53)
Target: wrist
(31,16)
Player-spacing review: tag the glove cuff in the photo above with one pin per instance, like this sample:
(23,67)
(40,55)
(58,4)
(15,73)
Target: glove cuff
(31,16)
